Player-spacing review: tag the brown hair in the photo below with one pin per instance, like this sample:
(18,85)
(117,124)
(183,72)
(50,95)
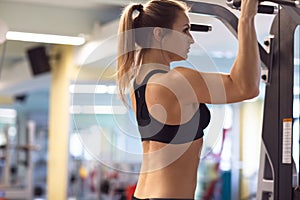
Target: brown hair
(156,13)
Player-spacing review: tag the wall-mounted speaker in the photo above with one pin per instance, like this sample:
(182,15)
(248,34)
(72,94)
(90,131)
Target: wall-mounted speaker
(39,60)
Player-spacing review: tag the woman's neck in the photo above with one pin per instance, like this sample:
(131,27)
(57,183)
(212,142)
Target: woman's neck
(156,57)
(152,59)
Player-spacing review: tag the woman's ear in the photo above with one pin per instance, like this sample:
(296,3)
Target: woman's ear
(158,33)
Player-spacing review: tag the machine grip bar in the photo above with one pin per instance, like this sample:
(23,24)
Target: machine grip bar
(267,9)
(201,28)
(236,4)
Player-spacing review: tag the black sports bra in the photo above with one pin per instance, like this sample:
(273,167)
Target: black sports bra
(152,129)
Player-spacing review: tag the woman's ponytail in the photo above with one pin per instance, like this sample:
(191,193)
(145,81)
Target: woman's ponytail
(126,48)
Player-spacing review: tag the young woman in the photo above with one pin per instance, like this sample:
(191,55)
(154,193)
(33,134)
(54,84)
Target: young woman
(170,103)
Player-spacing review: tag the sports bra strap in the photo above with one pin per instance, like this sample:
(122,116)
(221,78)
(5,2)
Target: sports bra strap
(148,76)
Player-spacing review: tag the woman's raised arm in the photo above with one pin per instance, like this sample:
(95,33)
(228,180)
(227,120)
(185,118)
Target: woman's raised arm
(240,84)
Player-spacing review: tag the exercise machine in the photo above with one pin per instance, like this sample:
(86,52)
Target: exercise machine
(277,178)
(7,189)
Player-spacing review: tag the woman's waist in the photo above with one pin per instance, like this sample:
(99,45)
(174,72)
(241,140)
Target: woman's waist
(166,185)
(170,165)
(170,177)
(168,158)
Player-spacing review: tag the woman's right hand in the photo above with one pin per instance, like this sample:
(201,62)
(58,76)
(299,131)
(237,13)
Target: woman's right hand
(249,8)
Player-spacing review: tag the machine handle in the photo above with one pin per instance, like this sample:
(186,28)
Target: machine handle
(266,9)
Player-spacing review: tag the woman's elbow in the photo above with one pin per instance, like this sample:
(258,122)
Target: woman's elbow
(251,93)
(255,93)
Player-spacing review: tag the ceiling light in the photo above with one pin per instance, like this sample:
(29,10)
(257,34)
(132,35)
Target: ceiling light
(99,109)
(92,89)
(44,38)
(8,113)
